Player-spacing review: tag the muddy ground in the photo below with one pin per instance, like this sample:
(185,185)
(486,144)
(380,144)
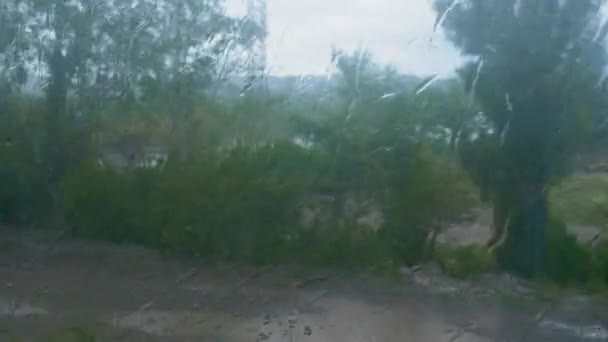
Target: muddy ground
(49,285)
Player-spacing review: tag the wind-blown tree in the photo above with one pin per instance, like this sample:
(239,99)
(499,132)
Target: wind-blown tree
(51,40)
(537,67)
(361,80)
(177,61)
(101,66)
(379,138)
(89,54)
(11,71)
(449,113)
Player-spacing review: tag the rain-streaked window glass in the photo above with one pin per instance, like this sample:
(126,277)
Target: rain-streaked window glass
(292,171)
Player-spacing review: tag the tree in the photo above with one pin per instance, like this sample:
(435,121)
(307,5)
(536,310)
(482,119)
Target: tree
(91,53)
(448,111)
(362,81)
(536,67)
(177,61)
(11,71)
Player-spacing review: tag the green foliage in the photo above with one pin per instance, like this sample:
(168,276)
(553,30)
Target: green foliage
(236,181)
(244,203)
(73,334)
(600,262)
(234,206)
(24,190)
(238,193)
(535,78)
(462,262)
(566,261)
(344,247)
(100,209)
(428,194)
(582,200)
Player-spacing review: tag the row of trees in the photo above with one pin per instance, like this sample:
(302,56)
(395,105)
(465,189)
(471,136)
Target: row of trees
(532,95)
(93,59)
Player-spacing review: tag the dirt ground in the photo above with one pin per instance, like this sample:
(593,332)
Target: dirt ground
(118,293)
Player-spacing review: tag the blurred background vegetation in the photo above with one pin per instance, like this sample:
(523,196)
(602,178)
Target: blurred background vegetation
(120,125)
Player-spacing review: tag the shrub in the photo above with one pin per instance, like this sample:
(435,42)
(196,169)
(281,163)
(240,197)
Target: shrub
(600,262)
(582,199)
(30,166)
(244,204)
(101,203)
(23,188)
(467,261)
(566,260)
(429,193)
(345,246)
(240,205)
(24,191)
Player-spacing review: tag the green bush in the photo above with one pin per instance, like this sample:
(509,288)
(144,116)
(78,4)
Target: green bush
(345,247)
(600,262)
(566,260)
(241,207)
(406,242)
(24,189)
(429,193)
(22,179)
(461,262)
(233,206)
(98,203)
(244,204)
(582,199)
(30,166)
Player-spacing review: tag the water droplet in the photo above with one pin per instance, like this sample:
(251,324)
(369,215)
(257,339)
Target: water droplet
(427,82)
(505,131)
(387,96)
(517,8)
(509,103)
(441,18)
(480,65)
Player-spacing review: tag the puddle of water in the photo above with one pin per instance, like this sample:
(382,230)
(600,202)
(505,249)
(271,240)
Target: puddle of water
(17,309)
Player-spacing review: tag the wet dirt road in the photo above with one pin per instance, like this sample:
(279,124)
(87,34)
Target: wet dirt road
(133,294)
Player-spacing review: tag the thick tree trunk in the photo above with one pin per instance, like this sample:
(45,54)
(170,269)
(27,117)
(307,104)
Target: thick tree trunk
(523,219)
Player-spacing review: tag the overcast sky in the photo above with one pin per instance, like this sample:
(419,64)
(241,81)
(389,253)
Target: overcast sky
(399,32)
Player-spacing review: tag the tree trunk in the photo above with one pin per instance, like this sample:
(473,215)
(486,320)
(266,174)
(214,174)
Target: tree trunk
(56,94)
(524,220)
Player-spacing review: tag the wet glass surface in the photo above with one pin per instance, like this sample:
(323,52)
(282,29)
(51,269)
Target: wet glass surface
(319,170)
